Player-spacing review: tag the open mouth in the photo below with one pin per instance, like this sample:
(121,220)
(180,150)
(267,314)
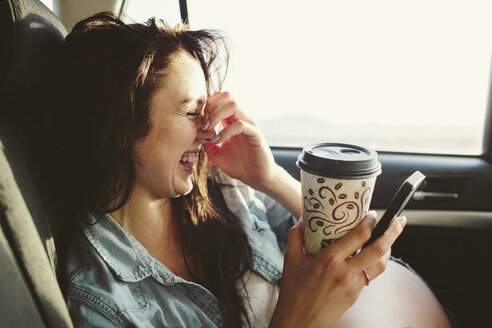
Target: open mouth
(188,160)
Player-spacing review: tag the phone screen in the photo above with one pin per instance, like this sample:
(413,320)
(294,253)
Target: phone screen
(398,203)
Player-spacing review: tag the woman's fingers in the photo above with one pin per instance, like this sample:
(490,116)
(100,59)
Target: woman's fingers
(221,107)
(210,107)
(218,94)
(372,258)
(374,270)
(224,111)
(380,246)
(215,106)
(205,135)
(294,251)
(353,240)
(236,128)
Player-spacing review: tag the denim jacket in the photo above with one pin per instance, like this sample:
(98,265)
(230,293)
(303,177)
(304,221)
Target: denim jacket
(110,280)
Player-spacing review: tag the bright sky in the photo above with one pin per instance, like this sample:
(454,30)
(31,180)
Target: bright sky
(367,59)
(392,62)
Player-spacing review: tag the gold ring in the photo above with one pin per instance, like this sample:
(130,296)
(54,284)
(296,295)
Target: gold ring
(367,277)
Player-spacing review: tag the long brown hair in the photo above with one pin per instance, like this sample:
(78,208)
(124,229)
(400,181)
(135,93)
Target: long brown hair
(108,77)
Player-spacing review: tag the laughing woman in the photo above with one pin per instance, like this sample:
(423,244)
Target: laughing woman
(179,226)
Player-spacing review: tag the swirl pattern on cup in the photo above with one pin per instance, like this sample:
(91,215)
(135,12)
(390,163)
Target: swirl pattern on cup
(344,212)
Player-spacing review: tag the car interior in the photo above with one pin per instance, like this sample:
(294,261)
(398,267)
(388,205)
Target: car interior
(448,239)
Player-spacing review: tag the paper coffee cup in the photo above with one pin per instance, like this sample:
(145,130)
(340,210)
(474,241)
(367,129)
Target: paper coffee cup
(337,185)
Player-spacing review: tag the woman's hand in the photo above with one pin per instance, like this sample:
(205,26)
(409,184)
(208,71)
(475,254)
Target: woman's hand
(315,292)
(240,150)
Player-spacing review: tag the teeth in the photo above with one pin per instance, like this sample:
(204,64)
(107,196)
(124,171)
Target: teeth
(192,158)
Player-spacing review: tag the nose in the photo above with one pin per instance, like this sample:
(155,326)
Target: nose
(203,136)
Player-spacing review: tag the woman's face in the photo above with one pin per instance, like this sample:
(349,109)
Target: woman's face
(166,156)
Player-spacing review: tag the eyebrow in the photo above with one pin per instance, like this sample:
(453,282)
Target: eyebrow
(198,101)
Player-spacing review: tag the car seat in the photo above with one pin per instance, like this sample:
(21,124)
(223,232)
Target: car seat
(31,37)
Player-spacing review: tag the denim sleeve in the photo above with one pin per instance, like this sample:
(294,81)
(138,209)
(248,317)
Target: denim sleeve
(87,315)
(279,218)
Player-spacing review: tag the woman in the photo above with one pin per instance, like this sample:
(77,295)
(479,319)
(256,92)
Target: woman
(163,239)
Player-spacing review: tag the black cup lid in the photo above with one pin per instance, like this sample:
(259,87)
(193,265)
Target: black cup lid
(338,160)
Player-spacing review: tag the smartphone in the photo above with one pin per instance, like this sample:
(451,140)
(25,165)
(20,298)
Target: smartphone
(406,191)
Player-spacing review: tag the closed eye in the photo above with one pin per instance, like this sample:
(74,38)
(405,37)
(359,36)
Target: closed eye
(192,114)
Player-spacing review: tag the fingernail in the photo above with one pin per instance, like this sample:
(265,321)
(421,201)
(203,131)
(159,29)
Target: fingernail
(205,126)
(372,215)
(403,221)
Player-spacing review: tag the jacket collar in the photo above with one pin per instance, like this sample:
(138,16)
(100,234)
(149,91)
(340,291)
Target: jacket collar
(123,254)
(131,262)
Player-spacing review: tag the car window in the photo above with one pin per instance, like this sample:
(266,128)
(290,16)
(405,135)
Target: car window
(48,3)
(142,10)
(394,75)
(391,74)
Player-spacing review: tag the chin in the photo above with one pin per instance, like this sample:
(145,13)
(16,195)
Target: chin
(187,192)
(179,194)
(187,188)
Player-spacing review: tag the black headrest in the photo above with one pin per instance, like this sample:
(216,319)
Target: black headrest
(30,40)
